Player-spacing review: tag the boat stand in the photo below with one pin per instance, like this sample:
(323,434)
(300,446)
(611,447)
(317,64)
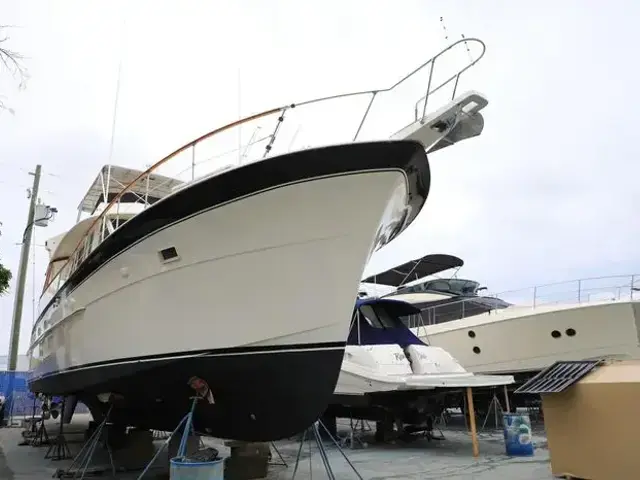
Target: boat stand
(495,408)
(42,436)
(272,446)
(187,421)
(81,461)
(358,429)
(323,453)
(59,449)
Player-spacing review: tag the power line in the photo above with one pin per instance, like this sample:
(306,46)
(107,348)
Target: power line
(25,170)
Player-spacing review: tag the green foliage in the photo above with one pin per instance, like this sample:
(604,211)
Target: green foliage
(5,278)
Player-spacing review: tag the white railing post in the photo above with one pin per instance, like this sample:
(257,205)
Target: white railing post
(631,290)
(426,97)
(579,291)
(364,117)
(193,162)
(535,295)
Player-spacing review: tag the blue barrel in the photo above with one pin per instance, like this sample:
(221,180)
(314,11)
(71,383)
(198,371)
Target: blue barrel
(517,435)
(182,468)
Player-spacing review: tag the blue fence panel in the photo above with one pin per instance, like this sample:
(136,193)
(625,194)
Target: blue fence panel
(23,402)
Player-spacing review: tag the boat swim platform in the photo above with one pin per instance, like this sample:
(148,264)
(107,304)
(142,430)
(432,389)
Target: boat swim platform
(452,459)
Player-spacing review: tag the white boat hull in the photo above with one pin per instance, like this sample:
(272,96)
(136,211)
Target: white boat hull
(371,369)
(521,339)
(258,296)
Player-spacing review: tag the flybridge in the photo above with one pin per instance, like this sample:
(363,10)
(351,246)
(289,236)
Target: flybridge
(415,270)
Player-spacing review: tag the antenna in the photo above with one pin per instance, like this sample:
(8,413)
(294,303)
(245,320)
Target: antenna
(466,44)
(444,30)
(115,103)
(446,38)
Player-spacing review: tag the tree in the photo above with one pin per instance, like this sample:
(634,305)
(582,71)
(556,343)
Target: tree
(11,61)
(5,278)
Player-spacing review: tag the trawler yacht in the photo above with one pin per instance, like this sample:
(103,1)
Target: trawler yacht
(140,304)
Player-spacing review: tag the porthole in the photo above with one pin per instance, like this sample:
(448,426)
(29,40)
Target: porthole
(570,332)
(476,350)
(471,334)
(556,334)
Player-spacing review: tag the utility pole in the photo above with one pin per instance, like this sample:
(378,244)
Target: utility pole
(22,275)
(14,341)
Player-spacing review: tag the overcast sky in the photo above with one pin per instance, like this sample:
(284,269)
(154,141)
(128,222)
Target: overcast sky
(548,192)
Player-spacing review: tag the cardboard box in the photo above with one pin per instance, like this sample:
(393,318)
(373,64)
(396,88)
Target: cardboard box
(593,426)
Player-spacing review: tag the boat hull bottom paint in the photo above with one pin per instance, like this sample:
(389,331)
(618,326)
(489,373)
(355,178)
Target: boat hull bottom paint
(253,394)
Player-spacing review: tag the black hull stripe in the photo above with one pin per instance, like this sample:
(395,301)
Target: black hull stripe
(273,397)
(257,177)
(245,350)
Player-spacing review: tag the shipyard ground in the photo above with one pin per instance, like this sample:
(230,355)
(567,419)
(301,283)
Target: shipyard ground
(450,459)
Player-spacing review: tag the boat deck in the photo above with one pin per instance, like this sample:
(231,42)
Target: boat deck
(450,458)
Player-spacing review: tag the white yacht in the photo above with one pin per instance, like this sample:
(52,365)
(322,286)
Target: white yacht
(141,295)
(577,320)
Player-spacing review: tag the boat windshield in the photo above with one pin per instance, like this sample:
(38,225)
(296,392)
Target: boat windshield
(456,286)
(378,317)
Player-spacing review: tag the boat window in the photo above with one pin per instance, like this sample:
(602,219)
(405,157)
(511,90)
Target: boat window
(456,286)
(369,314)
(387,320)
(439,286)
(378,317)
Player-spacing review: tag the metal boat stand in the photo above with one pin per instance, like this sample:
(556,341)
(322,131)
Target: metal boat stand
(494,408)
(272,446)
(323,452)
(358,429)
(31,426)
(82,460)
(42,436)
(187,421)
(59,448)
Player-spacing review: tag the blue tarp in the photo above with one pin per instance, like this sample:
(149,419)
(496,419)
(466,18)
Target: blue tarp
(21,401)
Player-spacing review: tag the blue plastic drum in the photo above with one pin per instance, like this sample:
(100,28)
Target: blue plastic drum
(517,435)
(182,468)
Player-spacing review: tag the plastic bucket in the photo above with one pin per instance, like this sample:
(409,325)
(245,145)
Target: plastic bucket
(182,468)
(517,435)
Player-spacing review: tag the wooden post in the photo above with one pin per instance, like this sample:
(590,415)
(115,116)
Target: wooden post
(506,399)
(472,423)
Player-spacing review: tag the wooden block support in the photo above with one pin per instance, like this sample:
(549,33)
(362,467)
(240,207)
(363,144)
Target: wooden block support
(472,423)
